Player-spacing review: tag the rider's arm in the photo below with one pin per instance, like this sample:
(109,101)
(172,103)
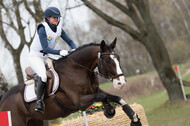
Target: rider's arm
(44,43)
(65,37)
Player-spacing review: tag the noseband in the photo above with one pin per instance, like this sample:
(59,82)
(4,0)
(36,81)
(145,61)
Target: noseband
(107,69)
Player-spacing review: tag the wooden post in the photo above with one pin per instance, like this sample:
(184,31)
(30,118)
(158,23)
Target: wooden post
(176,68)
(85,118)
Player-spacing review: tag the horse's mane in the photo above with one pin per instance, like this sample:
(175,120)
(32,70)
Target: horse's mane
(12,91)
(84,46)
(77,50)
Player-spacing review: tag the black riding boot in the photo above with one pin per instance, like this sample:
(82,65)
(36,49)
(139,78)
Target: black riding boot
(40,107)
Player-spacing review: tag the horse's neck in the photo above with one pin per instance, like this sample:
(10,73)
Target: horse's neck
(88,57)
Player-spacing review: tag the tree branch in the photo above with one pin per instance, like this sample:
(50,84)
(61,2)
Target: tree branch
(20,26)
(37,9)
(143,7)
(112,21)
(2,33)
(136,18)
(69,8)
(186,83)
(10,18)
(120,6)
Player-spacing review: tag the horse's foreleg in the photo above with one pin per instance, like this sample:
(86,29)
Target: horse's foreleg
(109,111)
(87,100)
(126,108)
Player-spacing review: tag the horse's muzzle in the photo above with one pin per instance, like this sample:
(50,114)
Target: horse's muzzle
(119,82)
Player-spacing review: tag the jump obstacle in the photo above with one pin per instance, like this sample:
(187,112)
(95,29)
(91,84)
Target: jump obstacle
(120,118)
(5,118)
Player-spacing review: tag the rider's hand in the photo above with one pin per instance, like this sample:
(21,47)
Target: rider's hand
(64,52)
(72,50)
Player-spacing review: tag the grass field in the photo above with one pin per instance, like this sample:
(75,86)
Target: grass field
(160,112)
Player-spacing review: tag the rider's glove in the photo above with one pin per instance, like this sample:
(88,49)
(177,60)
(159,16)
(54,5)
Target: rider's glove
(64,52)
(72,50)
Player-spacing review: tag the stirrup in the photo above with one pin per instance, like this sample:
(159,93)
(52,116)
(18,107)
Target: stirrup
(42,109)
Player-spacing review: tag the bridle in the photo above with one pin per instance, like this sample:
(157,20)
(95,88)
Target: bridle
(98,73)
(110,76)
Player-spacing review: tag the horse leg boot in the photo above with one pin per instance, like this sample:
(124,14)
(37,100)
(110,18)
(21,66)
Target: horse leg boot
(40,107)
(135,120)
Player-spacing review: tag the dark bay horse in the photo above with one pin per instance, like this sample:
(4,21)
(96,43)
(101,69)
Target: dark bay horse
(79,88)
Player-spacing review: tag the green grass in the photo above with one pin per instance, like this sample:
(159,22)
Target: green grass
(170,115)
(106,86)
(160,112)
(152,101)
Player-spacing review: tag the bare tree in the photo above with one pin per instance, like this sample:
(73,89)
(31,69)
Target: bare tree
(145,33)
(3,84)
(12,11)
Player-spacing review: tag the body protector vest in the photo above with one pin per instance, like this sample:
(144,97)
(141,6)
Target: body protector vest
(52,39)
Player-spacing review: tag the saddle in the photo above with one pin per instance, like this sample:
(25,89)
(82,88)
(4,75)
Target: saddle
(32,77)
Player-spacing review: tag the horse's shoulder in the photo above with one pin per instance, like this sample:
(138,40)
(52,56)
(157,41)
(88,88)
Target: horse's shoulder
(14,90)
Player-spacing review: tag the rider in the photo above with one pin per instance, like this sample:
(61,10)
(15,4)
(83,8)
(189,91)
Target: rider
(48,33)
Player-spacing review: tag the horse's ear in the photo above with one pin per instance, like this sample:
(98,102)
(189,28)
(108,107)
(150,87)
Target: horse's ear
(113,44)
(103,46)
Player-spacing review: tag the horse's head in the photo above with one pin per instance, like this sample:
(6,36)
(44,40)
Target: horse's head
(108,64)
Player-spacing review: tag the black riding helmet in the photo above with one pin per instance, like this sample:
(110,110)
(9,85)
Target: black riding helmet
(52,12)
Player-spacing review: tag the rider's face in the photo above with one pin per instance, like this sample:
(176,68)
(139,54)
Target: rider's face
(54,20)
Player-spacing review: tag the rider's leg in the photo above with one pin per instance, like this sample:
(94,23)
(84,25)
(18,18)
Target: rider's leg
(40,95)
(37,64)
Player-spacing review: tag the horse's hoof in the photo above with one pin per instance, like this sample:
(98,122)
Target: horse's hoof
(109,115)
(138,123)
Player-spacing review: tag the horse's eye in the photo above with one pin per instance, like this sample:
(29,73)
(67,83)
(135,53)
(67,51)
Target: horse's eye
(107,60)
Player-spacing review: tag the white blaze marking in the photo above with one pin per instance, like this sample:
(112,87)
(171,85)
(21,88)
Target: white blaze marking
(118,69)
(117,64)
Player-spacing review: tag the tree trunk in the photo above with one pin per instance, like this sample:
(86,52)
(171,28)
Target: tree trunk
(17,66)
(160,58)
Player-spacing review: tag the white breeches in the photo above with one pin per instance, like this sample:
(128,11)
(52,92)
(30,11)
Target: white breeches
(37,63)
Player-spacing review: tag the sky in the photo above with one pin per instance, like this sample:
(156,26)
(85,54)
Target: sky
(77,16)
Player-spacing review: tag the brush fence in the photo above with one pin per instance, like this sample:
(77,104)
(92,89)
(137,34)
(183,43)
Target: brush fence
(120,118)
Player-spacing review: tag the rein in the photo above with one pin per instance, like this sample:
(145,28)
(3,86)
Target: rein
(98,73)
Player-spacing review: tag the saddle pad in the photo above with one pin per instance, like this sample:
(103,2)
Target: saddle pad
(29,91)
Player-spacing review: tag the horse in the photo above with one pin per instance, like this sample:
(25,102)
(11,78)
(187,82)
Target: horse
(78,89)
